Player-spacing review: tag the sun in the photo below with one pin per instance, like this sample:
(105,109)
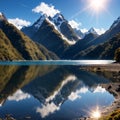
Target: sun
(94,7)
(97,5)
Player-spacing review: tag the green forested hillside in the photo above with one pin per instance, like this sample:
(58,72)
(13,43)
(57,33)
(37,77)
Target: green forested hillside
(7,51)
(21,45)
(102,51)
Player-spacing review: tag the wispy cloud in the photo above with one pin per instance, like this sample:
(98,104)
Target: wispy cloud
(75,24)
(19,23)
(44,8)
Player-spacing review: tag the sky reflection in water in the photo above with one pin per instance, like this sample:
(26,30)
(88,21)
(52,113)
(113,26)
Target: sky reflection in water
(51,92)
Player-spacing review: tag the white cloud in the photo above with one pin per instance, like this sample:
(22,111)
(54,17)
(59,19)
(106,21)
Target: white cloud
(19,23)
(74,24)
(75,95)
(100,31)
(47,109)
(0,13)
(44,8)
(19,95)
(50,107)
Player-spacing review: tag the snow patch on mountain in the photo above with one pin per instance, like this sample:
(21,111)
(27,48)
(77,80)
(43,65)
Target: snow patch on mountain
(63,37)
(58,19)
(40,21)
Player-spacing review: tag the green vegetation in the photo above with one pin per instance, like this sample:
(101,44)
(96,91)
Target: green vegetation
(7,51)
(13,78)
(102,51)
(50,38)
(48,54)
(15,45)
(113,116)
(117,55)
(73,51)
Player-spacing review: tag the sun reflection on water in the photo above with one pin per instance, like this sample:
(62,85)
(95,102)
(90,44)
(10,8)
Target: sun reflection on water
(95,113)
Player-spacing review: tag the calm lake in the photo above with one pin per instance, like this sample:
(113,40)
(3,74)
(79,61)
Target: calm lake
(51,90)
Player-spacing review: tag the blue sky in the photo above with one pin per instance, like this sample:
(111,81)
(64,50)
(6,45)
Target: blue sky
(71,9)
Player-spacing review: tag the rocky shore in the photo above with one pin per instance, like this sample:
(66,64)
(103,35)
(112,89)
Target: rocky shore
(112,73)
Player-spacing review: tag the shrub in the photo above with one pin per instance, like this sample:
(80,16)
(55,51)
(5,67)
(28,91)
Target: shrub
(117,55)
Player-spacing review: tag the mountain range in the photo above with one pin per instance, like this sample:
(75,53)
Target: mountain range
(54,38)
(15,45)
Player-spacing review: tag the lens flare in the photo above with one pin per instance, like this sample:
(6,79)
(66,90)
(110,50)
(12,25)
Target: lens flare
(97,5)
(94,7)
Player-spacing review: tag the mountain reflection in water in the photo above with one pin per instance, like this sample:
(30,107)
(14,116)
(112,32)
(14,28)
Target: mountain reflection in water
(50,92)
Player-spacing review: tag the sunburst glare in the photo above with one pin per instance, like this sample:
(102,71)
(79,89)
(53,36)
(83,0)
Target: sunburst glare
(97,6)
(95,113)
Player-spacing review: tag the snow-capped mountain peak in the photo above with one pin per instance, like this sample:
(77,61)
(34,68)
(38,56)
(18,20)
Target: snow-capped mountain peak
(79,33)
(58,19)
(39,22)
(59,23)
(116,22)
(92,30)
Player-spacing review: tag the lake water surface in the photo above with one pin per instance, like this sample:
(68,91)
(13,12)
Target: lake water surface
(51,90)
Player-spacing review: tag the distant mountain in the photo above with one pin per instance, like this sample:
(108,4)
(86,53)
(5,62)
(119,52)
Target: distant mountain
(60,25)
(114,29)
(92,30)
(64,27)
(102,51)
(17,46)
(56,35)
(82,35)
(115,23)
(45,32)
(79,46)
(86,48)
(79,33)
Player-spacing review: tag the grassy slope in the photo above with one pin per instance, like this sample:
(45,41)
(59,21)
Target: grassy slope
(7,51)
(28,49)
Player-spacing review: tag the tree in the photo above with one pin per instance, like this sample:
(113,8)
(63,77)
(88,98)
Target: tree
(117,55)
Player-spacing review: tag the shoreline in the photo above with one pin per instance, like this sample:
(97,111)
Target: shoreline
(111,72)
